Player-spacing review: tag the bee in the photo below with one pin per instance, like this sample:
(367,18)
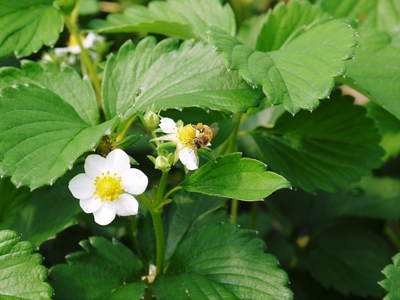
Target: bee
(204,135)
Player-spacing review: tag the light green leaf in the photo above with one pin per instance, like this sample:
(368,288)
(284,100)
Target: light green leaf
(89,7)
(391,283)
(331,147)
(250,30)
(178,18)
(27,25)
(231,176)
(63,81)
(375,70)
(98,272)
(348,257)
(389,127)
(222,262)
(41,135)
(162,77)
(21,273)
(186,210)
(284,22)
(298,74)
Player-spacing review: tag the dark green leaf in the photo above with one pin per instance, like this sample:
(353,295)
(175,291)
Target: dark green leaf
(27,25)
(21,273)
(234,177)
(222,262)
(98,272)
(348,257)
(331,147)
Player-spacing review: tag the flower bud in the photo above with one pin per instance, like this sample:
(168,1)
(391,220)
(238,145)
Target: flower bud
(162,163)
(151,120)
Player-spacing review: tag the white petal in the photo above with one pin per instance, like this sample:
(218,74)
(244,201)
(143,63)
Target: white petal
(90,205)
(134,181)
(81,186)
(75,49)
(189,158)
(118,161)
(168,125)
(106,213)
(127,205)
(95,165)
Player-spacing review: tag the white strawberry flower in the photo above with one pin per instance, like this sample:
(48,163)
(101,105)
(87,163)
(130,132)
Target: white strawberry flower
(184,137)
(106,187)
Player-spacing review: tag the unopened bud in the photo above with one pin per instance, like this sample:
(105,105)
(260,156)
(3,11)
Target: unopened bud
(162,163)
(151,120)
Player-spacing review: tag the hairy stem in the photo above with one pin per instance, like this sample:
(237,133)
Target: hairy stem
(90,68)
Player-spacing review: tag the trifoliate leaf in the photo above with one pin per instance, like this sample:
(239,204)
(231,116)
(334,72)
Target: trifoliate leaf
(331,147)
(222,262)
(186,209)
(161,76)
(391,283)
(98,272)
(298,74)
(232,176)
(389,127)
(27,25)
(63,81)
(178,18)
(375,70)
(348,257)
(41,135)
(21,273)
(284,22)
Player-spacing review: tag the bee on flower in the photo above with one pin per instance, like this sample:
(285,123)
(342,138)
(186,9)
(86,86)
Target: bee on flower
(107,187)
(188,138)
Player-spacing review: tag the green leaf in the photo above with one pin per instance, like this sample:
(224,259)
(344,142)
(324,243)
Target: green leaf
(89,7)
(11,201)
(298,74)
(331,147)
(186,210)
(98,272)
(389,127)
(160,76)
(231,176)
(41,135)
(391,283)
(375,70)
(285,22)
(348,257)
(222,262)
(21,273)
(27,25)
(178,18)
(130,291)
(63,81)
(250,30)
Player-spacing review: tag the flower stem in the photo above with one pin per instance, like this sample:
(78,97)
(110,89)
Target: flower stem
(171,191)
(234,210)
(90,68)
(160,239)
(162,187)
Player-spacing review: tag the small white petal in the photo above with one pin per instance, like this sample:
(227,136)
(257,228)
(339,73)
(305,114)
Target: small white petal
(106,213)
(94,165)
(189,158)
(75,49)
(134,181)
(127,205)
(168,137)
(81,186)
(90,205)
(168,125)
(118,161)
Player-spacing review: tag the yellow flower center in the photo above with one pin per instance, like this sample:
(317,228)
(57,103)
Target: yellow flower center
(108,187)
(186,135)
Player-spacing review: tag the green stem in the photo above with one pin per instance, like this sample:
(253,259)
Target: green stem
(393,237)
(234,210)
(160,239)
(162,187)
(90,68)
(122,134)
(171,191)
